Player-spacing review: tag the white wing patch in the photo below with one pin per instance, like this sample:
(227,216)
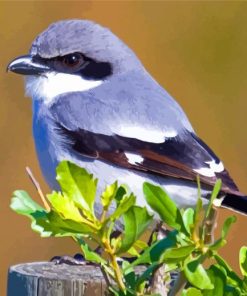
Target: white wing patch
(217,167)
(52,84)
(146,134)
(134,158)
(213,168)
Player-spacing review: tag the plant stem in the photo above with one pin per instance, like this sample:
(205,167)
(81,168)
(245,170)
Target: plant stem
(115,266)
(210,226)
(102,218)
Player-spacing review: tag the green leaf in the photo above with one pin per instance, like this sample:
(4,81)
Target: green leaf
(133,252)
(46,223)
(199,198)
(108,195)
(177,254)
(121,192)
(51,224)
(23,204)
(136,221)
(197,275)
(214,195)
(64,206)
(89,254)
(227,224)
(140,245)
(243,260)
(170,267)
(79,185)
(225,229)
(188,218)
(161,203)
(232,277)
(115,292)
(116,242)
(192,292)
(130,279)
(152,254)
(123,207)
(146,275)
(129,275)
(199,205)
(218,279)
(232,291)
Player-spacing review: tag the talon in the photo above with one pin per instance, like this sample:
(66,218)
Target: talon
(78,259)
(55,259)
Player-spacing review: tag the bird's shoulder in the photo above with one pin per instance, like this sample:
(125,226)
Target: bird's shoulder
(134,99)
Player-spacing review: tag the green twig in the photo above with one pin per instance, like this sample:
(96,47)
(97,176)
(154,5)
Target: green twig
(114,264)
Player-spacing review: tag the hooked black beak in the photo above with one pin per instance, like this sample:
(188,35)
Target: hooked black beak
(27,65)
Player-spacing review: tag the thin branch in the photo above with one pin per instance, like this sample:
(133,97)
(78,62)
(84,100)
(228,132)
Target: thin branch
(158,284)
(38,188)
(179,285)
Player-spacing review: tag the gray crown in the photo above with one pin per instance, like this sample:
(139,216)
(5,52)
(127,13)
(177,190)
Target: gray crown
(87,37)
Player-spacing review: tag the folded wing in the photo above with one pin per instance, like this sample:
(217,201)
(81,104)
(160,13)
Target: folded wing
(179,157)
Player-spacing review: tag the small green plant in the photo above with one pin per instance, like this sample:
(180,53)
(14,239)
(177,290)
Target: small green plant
(187,246)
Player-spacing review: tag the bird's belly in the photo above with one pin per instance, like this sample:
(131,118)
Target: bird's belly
(184,193)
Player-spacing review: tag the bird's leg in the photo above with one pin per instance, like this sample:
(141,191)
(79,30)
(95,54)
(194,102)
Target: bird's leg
(69,260)
(77,259)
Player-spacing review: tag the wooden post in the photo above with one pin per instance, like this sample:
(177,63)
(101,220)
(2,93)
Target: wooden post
(48,279)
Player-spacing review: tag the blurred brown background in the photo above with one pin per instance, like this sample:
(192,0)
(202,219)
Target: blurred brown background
(197,50)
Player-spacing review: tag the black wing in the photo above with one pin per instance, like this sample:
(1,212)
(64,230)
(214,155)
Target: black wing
(178,157)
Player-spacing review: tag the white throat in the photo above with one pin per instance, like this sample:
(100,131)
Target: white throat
(51,85)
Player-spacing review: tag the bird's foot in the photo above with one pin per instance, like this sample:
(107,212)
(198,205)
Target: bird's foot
(78,259)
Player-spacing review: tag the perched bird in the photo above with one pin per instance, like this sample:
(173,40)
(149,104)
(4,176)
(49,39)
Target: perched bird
(96,105)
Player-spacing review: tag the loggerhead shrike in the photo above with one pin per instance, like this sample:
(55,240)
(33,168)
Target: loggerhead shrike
(96,105)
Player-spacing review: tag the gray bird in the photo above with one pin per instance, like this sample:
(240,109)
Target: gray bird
(96,105)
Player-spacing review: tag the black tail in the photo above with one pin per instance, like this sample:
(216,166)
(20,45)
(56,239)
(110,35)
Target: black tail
(236,203)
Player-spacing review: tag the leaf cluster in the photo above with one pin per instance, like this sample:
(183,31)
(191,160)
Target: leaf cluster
(185,249)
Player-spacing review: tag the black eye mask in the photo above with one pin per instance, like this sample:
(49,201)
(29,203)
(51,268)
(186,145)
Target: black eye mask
(77,63)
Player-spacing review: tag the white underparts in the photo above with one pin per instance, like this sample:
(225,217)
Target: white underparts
(212,169)
(146,134)
(53,84)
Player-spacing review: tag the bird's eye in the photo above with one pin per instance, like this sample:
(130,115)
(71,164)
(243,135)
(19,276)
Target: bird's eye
(69,63)
(72,60)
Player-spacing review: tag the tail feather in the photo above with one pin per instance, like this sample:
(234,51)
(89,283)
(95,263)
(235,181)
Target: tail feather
(236,203)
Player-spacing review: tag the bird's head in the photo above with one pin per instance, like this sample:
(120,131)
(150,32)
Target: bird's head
(73,55)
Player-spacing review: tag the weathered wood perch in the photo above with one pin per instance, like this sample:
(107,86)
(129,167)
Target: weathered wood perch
(48,279)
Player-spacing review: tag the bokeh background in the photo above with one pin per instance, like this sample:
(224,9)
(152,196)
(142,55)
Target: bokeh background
(197,50)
